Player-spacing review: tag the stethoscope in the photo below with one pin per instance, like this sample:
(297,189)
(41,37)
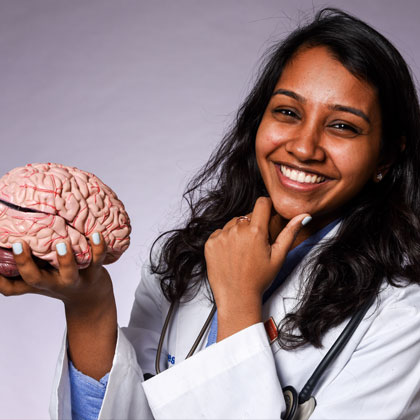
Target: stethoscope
(298,406)
(196,342)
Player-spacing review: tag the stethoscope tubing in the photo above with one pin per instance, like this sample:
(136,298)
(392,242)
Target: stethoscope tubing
(165,328)
(301,406)
(334,351)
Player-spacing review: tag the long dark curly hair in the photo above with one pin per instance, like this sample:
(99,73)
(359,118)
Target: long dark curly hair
(379,237)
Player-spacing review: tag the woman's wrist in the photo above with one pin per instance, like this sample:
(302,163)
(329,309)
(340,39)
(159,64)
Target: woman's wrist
(89,308)
(236,316)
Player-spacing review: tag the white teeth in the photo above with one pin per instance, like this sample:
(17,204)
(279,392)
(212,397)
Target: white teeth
(300,176)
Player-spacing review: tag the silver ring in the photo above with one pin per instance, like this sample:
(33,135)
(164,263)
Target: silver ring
(243,218)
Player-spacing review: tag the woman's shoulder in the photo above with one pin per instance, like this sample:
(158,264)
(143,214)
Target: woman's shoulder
(150,288)
(399,295)
(396,313)
(149,283)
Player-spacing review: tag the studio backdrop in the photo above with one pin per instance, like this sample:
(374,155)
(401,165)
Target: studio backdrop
(139,93)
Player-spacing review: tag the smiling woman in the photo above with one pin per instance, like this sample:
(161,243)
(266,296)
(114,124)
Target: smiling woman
(331,130)
(303,233)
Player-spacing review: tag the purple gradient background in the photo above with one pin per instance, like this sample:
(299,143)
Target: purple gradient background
(138,93)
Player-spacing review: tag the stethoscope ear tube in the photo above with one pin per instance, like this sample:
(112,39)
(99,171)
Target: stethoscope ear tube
(165,328)
(162,337)
(333,352)
(302,406)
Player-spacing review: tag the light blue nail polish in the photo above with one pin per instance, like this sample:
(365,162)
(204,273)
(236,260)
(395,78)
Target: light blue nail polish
(61,249)
(17,248)
(96,238)
(306,220)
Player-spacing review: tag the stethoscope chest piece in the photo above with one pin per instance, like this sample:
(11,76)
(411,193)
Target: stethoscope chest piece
(291,399)
(294,410)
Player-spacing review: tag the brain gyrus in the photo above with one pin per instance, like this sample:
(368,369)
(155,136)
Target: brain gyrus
(47,203)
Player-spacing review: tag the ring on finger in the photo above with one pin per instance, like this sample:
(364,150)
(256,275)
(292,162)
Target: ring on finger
(240,218)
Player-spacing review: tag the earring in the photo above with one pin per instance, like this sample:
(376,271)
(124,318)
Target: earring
(379,177)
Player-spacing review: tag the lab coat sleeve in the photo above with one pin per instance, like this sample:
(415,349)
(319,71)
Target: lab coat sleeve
(381,379)
(124,397)
(235,378)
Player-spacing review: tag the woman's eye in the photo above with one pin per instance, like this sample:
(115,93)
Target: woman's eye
(286,112)
(346,128)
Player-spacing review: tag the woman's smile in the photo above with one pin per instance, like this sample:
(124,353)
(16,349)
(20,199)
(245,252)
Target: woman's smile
(319,139)
(301,176)
(299,179)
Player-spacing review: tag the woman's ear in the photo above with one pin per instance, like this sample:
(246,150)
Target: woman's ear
(383,168)
(380,173)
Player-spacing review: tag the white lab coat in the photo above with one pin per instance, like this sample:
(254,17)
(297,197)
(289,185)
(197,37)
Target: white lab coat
(377,375)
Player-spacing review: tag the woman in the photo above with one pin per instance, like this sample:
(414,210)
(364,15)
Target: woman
(330,132)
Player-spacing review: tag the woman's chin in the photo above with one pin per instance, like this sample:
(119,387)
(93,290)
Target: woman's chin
(289,212)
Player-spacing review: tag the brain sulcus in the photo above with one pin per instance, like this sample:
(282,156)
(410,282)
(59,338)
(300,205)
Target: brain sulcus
(46,203)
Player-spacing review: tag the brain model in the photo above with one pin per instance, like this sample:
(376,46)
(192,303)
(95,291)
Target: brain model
(46,203)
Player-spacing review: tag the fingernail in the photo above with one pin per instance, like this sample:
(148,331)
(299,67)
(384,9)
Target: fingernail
(17,248)
(96,238)
(61,249)
(306,220)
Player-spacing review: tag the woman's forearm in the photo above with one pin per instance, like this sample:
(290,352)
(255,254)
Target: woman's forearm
(92,336)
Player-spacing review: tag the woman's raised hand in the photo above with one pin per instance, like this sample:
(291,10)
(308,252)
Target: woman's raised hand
(88,298)
(242,263)
(68,284)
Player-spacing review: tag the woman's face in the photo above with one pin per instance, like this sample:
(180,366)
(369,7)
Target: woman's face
(319,139)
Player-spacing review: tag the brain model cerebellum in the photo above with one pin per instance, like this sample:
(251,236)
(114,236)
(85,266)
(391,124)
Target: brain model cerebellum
(47,203)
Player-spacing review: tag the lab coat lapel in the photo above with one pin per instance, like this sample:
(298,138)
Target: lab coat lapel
(286,298)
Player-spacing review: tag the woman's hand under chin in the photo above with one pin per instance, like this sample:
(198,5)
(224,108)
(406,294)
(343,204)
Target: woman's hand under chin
(242,262)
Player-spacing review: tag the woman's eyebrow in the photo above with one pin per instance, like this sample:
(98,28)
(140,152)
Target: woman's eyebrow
(290,93)
(342,108)
(352,110)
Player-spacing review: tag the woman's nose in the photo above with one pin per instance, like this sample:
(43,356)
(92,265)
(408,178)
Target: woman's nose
(306,144)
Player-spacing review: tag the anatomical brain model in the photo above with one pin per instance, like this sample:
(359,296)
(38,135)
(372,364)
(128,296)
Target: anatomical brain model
(46,203)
